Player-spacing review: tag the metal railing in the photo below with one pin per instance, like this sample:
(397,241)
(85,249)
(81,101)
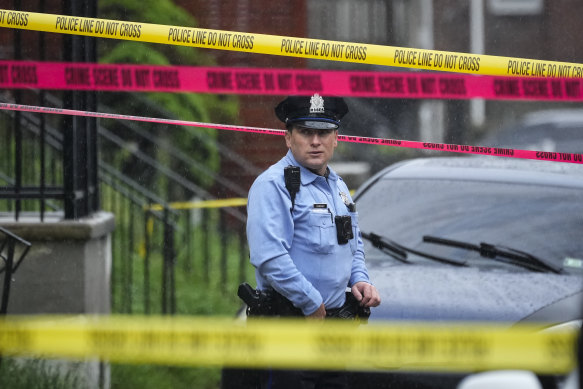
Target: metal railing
(13,249)
(75,185)
(145,237)
(50,166)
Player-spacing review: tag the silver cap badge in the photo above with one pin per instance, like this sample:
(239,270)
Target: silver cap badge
(316,103)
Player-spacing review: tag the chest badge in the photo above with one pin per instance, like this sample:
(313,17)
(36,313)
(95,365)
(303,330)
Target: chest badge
(344,198)
(351,207)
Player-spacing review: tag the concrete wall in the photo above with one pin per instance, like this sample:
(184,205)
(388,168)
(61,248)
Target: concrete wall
(67,271)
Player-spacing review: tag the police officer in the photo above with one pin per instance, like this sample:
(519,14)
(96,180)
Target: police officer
(302,226)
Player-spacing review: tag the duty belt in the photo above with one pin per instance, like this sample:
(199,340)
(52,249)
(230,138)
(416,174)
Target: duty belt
(271,303)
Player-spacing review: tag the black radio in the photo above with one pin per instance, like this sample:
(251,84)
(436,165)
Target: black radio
(292,179)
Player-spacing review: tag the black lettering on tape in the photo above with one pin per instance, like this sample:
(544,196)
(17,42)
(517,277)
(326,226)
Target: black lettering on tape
(179,35)
(559,347)
(242,41)
(4,79)
(199,37)
(362,84)
(107,339)
(333,344)
(428,85)
(405,57)
(166,79)
(546,155)
(390,84)
(504,87)
(539,69)
(288,46)
(535,88)
(142,78)
(573,88)
(312,48)
(248,81)
(18,339)
(86,25)
(24,75)
(17,19)
(453,86)
(77,76)
(219,80)
(284,81)
(355,52)
(309,83)
(66,23)
(412,85)
(111,28)
(436,146)
(269,81)
(481,150)
(106,76)
(469,63)
(130,30)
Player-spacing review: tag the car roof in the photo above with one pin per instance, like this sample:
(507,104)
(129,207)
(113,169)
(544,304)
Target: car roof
(553,116)
(559,130)
(485,169)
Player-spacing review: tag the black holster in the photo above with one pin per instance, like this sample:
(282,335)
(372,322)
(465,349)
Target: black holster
(266,303)
(271,303)
(350,310)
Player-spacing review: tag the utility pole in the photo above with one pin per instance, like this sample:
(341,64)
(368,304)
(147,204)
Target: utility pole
(477,106)
(431,112)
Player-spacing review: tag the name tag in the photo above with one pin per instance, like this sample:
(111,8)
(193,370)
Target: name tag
(320,207)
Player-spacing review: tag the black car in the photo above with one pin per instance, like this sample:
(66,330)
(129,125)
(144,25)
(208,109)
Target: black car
(473,239)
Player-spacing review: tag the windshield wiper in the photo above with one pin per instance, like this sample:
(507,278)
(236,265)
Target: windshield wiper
(387,246)
(399,251)
(497,252)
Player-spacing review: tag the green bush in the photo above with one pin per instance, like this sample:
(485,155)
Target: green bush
(24,373)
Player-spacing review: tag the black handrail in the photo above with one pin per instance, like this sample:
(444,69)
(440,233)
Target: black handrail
(7,253)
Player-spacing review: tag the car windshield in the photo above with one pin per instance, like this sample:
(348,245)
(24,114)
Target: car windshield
(541,220)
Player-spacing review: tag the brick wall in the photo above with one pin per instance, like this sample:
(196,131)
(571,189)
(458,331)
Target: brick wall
(257,16)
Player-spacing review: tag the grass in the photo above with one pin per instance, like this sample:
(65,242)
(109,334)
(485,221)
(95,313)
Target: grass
(22,373)
(206,284)
(209,266)
(159,376)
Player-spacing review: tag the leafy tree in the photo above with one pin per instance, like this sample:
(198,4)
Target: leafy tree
(186,106)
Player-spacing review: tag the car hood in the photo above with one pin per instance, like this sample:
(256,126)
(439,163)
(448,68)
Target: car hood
(429,293)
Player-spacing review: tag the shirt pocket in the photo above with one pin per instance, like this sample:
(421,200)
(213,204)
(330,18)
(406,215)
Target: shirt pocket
(323,232)
(354,241)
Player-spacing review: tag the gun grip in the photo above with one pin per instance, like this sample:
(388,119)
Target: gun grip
(247,294)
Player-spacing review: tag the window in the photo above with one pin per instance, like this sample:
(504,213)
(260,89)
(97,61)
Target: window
(515,7)
(363,21)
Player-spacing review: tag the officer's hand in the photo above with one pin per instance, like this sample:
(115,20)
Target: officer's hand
(319,314)
(367,294)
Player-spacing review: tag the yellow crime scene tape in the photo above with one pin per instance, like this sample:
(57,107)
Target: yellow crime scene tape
(290,46)
(289,343)
(220,203)
(202,204)
(293,343)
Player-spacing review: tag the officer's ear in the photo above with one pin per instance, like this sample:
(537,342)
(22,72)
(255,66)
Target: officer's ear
(288,135)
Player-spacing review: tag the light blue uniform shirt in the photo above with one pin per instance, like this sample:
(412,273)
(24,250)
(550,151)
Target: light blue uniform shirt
(298,254)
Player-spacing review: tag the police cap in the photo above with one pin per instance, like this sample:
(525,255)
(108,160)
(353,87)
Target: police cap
(312,111)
